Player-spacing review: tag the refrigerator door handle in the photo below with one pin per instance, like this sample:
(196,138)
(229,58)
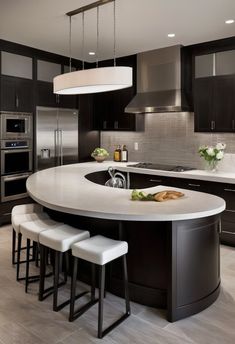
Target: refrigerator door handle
(60,133)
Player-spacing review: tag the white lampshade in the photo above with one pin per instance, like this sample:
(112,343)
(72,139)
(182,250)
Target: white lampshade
(93,80)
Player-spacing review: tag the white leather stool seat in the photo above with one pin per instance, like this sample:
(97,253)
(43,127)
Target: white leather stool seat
(19,219)
(99,249)
(27,209)
(61,238)
(32,229)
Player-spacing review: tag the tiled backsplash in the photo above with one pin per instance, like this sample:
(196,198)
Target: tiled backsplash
(168,138)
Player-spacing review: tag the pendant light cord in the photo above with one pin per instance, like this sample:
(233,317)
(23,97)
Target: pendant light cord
(114,33)
(97,37)
(70,44)
(83,34)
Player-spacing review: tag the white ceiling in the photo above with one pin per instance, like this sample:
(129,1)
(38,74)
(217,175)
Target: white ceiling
(141,24)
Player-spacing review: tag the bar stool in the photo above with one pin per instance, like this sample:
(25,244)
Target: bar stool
(60,240)
(23,213)
(31,230)
(99,250)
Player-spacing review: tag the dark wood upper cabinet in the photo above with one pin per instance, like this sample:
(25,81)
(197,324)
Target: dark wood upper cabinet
(108,107)
(46,97)
(16,94)
(203,104)
(214,104)
(224,103)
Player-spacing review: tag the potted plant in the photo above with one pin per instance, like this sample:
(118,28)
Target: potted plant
(100,154)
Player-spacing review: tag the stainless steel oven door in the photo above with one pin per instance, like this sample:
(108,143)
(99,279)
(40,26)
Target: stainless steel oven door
(16,160)
(16,126)
(13,187)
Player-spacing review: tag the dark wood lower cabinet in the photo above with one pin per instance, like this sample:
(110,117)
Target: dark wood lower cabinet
(224,190)
(171,265)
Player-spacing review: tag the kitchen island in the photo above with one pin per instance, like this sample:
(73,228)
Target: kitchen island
(173,258)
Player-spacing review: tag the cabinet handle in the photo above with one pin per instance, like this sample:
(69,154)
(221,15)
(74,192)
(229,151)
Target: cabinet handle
(17,101)
(155,180)
(212,125)
(197,185)
(233,124)
(230,210)
(57,99)
(104,124)
(229,190)
(116,125)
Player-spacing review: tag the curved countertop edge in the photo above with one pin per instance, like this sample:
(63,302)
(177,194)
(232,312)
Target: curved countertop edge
(127,217)
(57,178)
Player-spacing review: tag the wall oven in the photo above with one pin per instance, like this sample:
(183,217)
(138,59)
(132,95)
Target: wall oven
(16,156)
(16,125)
(13,186)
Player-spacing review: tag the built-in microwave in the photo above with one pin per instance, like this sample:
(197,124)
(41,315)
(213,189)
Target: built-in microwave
(15,125)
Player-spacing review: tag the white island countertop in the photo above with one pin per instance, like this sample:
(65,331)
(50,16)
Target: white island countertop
(66,189)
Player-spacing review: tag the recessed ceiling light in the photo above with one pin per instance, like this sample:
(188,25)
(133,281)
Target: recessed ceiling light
(171,35)
(91,53)
(229,21)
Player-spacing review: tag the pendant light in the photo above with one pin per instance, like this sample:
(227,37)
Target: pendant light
(97,79)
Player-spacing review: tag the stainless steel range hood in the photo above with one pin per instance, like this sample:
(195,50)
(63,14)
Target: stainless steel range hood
(159,82)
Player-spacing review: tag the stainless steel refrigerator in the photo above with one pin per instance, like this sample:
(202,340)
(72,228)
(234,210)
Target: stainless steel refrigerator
(56,137)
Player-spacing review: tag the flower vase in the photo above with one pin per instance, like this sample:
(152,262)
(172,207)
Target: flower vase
(211,166)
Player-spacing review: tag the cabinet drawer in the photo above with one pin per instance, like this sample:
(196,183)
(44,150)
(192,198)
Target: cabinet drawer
(140,181)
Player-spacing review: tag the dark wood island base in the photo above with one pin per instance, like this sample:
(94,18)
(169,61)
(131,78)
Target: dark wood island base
(173,265)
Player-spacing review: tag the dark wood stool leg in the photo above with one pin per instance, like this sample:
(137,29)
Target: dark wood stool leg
(18,256)
(42,272)
(126,289)
(56,279)
(13,246)
(27,265)
(101,300)
(73,288)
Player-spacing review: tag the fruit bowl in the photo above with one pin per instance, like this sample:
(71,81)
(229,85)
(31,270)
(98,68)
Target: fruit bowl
(99,154)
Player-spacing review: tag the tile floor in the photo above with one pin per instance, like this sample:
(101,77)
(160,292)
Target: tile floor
(24,320)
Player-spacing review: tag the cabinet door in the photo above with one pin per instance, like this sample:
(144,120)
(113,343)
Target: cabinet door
(224,103)
(16,94)
(24,95)
(45,95)
(8,94)
(68,101)
(203,105)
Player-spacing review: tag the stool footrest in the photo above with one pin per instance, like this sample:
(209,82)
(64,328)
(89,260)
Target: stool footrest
(115,324)
(82,310)
(48,291)
(65,303)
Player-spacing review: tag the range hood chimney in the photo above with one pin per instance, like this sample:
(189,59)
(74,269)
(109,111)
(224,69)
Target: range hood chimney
(159,77)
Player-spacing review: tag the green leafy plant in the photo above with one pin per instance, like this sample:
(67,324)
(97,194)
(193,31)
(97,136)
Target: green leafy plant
(99,152)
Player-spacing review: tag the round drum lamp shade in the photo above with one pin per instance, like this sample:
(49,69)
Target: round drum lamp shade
(93,80)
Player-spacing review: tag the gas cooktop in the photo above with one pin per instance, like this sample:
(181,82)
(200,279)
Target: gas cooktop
(153,166)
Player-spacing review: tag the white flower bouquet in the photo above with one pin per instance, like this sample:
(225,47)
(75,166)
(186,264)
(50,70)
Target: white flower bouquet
(212,154)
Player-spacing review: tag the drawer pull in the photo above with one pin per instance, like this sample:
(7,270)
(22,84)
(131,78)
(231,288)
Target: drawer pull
(197,185)
(156,180)
(6,214)
(227,232)
(229,190)
(230,210)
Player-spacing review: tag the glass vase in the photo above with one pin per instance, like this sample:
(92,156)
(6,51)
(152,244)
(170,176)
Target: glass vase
(211,166)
